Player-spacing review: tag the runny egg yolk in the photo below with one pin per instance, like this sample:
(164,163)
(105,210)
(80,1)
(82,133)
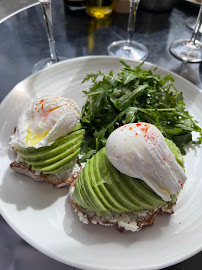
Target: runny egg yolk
(32,140)
(166,189)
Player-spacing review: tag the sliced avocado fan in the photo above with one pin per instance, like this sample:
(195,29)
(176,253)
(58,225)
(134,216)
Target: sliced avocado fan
(59,156)
(102,188)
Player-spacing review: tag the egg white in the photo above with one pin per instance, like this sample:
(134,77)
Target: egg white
(45,120)
(139,150)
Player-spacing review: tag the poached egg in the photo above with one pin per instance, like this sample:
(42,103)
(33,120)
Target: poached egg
(45,120)
(139,150)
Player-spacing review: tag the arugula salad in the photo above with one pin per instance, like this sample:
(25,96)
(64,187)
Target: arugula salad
(135,95)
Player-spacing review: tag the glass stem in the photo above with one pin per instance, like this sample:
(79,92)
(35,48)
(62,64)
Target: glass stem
(131,19)
(46,7)
(197,27)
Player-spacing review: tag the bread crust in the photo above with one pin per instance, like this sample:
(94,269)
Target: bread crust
(141,222)
(21,167)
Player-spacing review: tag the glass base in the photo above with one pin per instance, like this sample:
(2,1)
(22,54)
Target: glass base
(46,63)
(185,51)
(132,50)
(191,22)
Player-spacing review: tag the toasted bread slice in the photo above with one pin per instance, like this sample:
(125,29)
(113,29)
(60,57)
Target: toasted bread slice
(133,221)
(22,167)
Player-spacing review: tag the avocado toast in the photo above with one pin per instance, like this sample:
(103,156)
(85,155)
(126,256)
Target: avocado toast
(104,195)
(48,140)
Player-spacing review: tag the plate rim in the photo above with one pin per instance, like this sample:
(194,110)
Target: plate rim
(99,57)
(51,254)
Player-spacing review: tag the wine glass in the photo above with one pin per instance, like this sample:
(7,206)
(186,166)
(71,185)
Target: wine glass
(189,50)
(129,48)
(46,8)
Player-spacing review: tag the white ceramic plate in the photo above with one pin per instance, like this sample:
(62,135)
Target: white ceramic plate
(42,215)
